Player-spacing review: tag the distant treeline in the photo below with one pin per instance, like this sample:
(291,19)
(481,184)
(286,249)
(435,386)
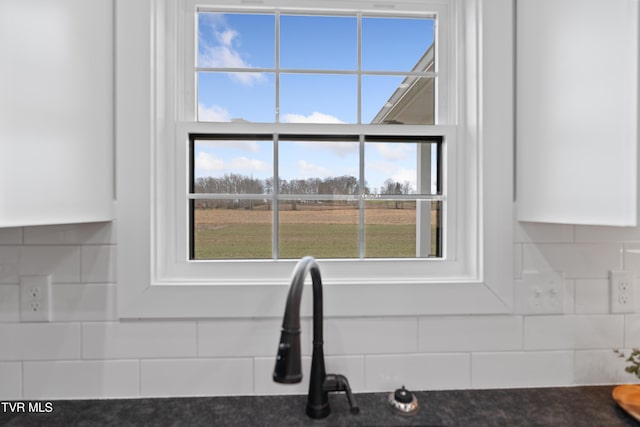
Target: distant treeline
(242,184)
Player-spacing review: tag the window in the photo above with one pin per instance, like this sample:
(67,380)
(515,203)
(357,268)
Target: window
(188,143)
(333,196)
(284,196)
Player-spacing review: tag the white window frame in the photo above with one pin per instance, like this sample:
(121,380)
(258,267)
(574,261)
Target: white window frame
(156,280)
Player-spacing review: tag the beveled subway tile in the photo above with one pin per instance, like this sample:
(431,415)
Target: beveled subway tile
(245,337)
(62,262)
(573,332)
(196,377)
(370,335)
(81,379)
(583,260)
(84,302)
(522,369)
(39,341)
(98,264)
(11,384)
(11,236)
(469,333)
(138,339)
(418,371)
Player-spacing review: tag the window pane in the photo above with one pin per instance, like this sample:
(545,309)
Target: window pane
(318,98)
(239,96)
(390,168)
(233,167)
(323,229)
(403,229)
(319,167)
(396,44)
(402,168)
(232,229)
(390,229)
(318,42)
(398,100)
(236,40)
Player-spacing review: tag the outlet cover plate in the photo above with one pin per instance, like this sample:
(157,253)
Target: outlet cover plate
(35,298)
(622,291)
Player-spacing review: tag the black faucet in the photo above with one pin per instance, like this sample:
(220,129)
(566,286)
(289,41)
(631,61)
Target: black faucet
(288,361)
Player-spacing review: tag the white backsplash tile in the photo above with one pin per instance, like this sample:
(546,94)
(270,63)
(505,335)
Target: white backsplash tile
(196,377)
(81,379)
(98,264)
(594,367)
(469,333)
(245,337)
(39,341)
(584,260)
(522,369)
(9,303)
(631,331)
(11,383)
(631,258)
(418,371)
(370,335)
(138,339)
(62,262)
(569,332)
(84,302)
(104,357)
(10,236)
(263,381)
(592,296)
(9,264)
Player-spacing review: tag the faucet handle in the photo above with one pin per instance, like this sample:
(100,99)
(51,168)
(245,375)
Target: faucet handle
(337,382)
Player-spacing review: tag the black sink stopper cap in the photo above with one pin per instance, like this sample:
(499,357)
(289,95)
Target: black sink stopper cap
(402,395)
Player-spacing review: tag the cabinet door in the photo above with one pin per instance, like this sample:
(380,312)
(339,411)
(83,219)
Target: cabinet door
(577,111)
(56,111)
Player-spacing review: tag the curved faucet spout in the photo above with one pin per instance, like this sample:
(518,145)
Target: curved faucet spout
(288,361)
(288,366)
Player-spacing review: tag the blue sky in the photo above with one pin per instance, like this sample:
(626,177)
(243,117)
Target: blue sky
(306,42)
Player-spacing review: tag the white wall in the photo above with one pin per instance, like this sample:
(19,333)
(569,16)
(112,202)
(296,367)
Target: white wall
(87,353)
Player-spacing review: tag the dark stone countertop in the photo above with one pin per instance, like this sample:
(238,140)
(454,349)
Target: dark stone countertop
(572,406)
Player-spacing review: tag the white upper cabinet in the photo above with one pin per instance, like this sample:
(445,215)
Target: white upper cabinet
(56,111)
(577,111)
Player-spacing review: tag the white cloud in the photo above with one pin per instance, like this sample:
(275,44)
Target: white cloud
(381,170)
(214,113)
(403,175)
(226,37)
(249,146)
(245,164)
(208,162)
(309,170)
(314,117)
(341,149)
(393,152)
(224,54)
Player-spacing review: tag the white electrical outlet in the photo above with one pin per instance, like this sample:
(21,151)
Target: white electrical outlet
(35,298)
(622,295)
(542,292)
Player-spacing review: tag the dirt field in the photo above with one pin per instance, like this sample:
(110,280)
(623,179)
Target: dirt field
(206,219)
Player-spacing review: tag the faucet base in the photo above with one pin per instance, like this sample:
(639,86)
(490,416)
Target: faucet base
(317,412)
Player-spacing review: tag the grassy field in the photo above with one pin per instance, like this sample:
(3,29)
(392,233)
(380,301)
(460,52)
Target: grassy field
(324,233)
